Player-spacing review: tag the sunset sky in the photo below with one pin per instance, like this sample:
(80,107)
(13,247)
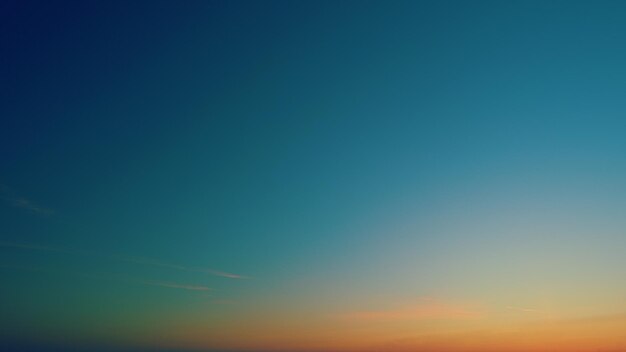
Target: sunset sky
(313,176)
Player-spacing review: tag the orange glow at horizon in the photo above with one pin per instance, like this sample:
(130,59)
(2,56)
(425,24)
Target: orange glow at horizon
(429,326)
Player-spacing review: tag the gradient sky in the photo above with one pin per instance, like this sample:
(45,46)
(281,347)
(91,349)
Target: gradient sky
(420,176)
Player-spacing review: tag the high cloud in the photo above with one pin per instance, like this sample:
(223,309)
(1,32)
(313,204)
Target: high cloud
(17,201)
(174,285)
(129,259)
(167,284)
(148,261)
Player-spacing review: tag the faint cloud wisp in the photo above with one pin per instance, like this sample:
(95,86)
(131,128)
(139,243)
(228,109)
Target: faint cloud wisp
(148,261)
(122,258)
(17,201)
(167,284)
(175,285)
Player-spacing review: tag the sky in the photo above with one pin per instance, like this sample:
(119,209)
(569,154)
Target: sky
(313,176)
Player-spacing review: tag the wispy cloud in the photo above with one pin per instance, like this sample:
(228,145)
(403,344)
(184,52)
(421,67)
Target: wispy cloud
(31,206)
(15,200)
(425,309)
(123,258)
(167,284)
(11,197)
(175,285)
(219,273)
(148,261)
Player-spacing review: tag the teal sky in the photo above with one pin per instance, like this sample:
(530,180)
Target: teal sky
(305,157)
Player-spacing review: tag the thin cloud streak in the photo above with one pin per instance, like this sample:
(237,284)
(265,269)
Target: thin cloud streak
(147,261)
(17,201)
(166,284)
(116,257)
(31,206)
(175,285)
(219,273)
